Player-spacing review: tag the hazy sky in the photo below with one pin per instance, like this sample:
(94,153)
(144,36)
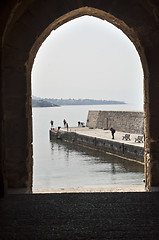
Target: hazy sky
(88,58)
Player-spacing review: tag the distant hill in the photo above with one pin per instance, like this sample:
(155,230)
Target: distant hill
(71,101)
(42,103)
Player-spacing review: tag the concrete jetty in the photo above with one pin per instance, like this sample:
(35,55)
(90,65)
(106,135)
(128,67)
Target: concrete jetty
(99,139)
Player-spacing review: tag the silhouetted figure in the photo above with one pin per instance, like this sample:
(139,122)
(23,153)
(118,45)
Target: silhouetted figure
(52,123)
(112,131)
(82,124)
(64,123)
(79,123)
(67,126)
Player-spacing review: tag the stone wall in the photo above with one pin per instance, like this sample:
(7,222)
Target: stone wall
(123,121)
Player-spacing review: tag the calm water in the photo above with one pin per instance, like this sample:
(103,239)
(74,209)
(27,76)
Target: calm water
(60,165)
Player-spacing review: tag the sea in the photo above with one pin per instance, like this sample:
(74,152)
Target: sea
(59,165)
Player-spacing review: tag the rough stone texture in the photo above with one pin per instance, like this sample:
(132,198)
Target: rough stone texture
(88,216)
(92,119)
(123,121)
(24,25)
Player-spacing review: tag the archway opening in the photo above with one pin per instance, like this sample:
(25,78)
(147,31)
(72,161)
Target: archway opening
(118,87)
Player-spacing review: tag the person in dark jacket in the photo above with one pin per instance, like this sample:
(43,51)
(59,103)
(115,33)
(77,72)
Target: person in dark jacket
(112,131)
(52,123)
(67,126)
(64,123)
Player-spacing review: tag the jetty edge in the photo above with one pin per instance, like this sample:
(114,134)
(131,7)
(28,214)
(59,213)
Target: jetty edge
(96,135)
(100,140)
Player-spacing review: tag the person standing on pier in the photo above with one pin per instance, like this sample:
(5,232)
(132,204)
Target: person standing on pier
(64,123)
(52,123)
(112,131)
(67,126)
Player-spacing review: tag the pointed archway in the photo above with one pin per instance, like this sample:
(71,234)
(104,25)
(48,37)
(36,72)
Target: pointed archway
(24,33)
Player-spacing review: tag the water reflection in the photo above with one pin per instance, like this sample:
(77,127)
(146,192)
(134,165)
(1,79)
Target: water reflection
(61,165)
(82,167)
(94,157)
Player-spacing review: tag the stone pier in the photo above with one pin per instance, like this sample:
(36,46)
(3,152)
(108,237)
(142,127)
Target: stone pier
(99,139)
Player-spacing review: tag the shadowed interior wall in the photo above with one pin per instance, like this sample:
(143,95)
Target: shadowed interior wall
(24,26)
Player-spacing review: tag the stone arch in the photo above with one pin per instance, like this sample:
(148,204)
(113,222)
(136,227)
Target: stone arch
(25,30)
(90,12)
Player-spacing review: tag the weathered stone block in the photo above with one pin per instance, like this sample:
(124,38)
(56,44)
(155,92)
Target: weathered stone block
(124,121)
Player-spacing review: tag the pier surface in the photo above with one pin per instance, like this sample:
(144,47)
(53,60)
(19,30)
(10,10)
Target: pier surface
(101,140)
(105,134)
